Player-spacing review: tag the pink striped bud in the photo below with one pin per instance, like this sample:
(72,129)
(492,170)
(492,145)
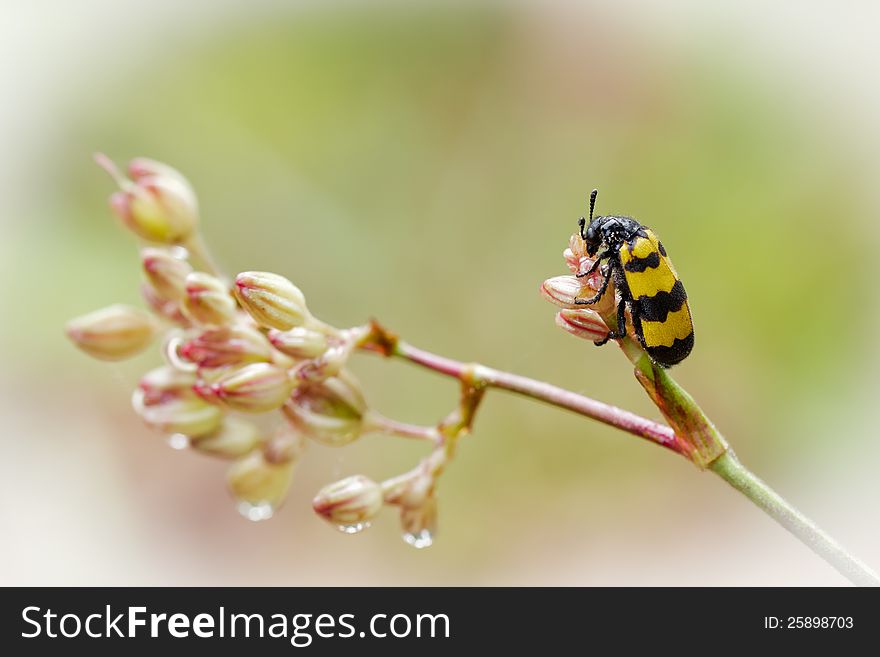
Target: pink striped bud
(170,310)
(186,414)
(561,290)
(159,206)
(165,383)
(258,485)
(272,300)
(113,333)
(207,300)
(299,342)
(583,323)
(350,504)
(576,256)
(166,272)
(143,167)
(288,444)
(564,291)
(227,345)
(234,439)
(331,411)
(254,388)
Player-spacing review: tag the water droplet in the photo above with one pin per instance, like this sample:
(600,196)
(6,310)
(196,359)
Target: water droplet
(419,540)
(179,252)
(354,528)
(178,441)
(256,512)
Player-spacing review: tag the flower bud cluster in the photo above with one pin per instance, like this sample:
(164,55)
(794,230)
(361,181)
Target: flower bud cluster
(238,349)
(581,320)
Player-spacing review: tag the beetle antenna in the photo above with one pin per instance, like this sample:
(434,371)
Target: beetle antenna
(593,195)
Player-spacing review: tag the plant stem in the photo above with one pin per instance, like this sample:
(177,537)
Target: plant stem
(200,255)
(546,392)
(725,465)
(702,442)
(729,468)
(377,422)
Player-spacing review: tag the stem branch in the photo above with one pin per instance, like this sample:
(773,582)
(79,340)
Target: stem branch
(697,441)
(545,392)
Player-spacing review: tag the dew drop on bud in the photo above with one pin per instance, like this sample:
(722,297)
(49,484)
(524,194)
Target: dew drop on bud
(256,512)
(354,528)
(179,252)
(419,540)
(178,441)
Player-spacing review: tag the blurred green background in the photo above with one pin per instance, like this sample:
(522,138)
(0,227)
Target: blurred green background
(426,167)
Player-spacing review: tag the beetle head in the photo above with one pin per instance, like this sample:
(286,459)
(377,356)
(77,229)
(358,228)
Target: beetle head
(591,233)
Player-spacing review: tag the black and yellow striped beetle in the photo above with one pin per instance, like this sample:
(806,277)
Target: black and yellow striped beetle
(646,281)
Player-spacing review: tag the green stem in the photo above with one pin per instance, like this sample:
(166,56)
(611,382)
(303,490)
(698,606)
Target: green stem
(702,442)
(200,255)
(692,434)
(729,468)
(707,448)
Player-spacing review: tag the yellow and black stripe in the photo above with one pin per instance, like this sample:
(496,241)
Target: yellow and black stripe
(658,301)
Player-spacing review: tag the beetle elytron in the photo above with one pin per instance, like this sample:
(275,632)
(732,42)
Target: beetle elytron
(634,258)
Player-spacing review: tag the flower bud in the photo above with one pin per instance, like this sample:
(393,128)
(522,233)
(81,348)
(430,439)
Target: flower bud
(112,333)
(330,411)
(210,376)
(186,414)
(232,440)
(254,388)
(272,300)
(413,492)
(165,383)
(227,345)
(170,310)
(576,256)
(419,523)
(583,323)
(287,444)
(561,290)
(143,167)
(207,300)
(166,272)
(159,206)
(351,503)
(299,342)
(330,363)
(258,484)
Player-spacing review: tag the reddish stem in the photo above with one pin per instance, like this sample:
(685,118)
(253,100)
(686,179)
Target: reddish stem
(546,392)
(403,429)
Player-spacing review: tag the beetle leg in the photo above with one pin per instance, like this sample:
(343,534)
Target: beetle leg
(593,299)
(621,306)
(592,268)
(601,342)
(621,320)
(621,326)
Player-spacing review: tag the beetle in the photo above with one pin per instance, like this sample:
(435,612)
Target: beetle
(635,259)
